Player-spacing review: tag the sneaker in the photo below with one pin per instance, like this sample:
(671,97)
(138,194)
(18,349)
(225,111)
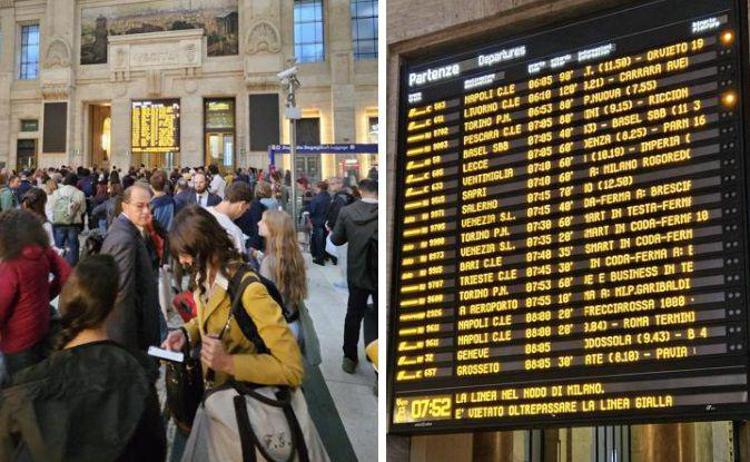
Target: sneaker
(348,365)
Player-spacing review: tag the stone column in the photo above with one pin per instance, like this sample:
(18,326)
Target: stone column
(7,68)
(265,54)
(341,57)
(120,136)
(191,131)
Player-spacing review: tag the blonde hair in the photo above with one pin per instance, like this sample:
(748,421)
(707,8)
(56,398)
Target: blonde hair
(289,267)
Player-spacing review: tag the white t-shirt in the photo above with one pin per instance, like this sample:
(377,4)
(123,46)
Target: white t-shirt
(217,186)
(234,231)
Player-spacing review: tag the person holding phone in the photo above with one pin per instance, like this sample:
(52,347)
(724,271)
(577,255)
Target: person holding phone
(199,242)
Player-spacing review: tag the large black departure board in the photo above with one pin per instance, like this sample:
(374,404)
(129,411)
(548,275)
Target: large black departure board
(570,239)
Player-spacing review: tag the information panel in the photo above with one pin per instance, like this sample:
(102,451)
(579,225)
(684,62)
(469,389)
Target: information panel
(570,238)
(155,126)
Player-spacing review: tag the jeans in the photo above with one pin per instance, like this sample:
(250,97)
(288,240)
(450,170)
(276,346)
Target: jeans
(318,243)
(355,312)
(68,234)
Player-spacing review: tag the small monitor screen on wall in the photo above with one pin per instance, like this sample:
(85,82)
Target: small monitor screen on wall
(55,127)
(570,230)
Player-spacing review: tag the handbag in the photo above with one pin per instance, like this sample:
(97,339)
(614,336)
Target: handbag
(272,423)
(185,389)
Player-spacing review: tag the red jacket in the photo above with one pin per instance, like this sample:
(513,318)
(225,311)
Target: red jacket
(25,293)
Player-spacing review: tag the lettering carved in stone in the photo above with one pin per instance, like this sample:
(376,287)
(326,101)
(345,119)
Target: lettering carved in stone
(263,36)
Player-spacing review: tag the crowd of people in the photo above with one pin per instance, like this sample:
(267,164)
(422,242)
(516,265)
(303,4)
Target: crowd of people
(150,236)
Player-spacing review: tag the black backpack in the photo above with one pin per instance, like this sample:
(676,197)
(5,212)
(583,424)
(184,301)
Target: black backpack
(237,287)
(93,243)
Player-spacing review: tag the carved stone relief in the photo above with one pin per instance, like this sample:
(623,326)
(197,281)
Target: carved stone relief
(58,54)
(263,36)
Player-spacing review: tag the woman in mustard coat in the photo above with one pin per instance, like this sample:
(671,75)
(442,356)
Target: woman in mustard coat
(201,243)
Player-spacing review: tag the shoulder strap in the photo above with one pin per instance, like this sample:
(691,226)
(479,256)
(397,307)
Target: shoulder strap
(237,287)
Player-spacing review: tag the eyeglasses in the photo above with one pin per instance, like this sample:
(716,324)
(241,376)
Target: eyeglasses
(142,205)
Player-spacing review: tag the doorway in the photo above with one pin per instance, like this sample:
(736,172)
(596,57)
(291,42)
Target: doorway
(219,129)
(220,150)
(26,156)
(100,133)
(308,166)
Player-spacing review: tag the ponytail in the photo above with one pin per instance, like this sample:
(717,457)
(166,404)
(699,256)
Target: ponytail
(88,297)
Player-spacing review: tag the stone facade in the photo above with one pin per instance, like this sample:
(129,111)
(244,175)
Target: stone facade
(341,91)
(414,27)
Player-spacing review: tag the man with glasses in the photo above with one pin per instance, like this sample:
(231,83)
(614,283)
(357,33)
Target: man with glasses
(134,322)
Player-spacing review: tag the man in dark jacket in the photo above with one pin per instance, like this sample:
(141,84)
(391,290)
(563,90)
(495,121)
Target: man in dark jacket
(248,223)
(24,187)
(201,195)
(318,208)
(357,224)
(134,322)
(341,198)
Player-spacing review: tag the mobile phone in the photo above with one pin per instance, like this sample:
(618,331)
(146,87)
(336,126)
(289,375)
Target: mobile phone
(173,356)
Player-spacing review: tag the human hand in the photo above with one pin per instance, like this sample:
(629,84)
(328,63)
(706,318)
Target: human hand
(174,341)
(215,356)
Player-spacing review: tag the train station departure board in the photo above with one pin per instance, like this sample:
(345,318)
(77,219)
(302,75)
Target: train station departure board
(570,236)
(155,126)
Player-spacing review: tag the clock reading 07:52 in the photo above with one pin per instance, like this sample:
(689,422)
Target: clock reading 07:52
(418,408)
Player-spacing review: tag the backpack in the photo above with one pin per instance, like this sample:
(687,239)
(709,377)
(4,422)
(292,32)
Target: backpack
(64,210)
(93,243)
(13,199)
(237,287)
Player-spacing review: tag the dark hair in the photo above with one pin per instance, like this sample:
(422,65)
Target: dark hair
(3,179)
(70,179)
(19,228)
(88,297)
(13,178)
(35,199)
(369,186)
(238,191)
(114,177)
(213,169)
(158,180)
(196,232)
(322,185)
(115,189)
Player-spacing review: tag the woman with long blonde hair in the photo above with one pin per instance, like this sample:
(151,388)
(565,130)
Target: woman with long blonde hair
(283,264)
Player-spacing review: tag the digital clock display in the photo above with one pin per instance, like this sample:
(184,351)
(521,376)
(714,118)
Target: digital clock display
(570,232)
